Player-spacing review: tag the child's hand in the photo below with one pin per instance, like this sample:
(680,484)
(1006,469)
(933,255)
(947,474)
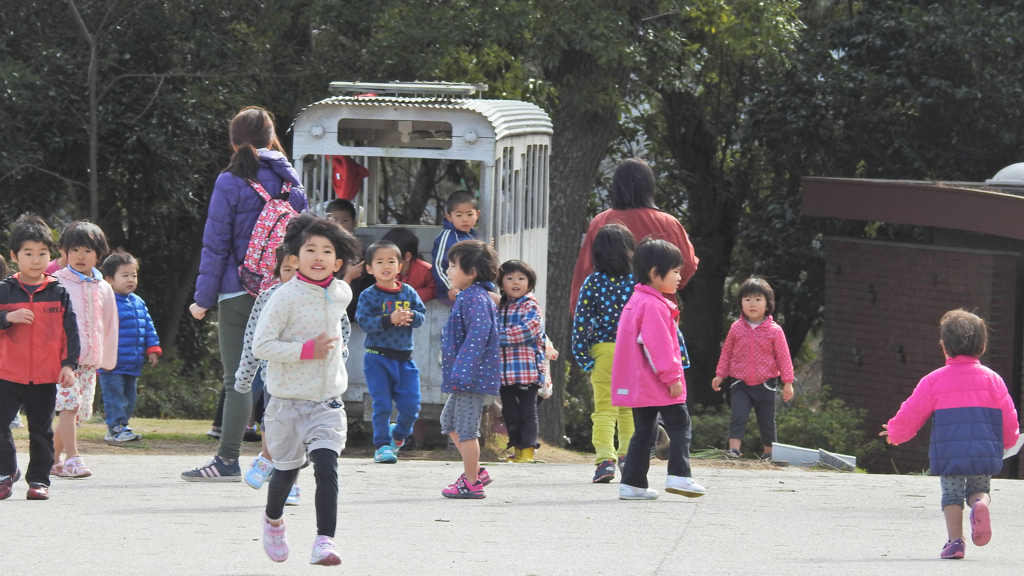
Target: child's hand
(453,293)
(322,345)
(153,358)
(675,390)
(67,377)
(716,384)
(21,316)
(197,311)
(787,392)
(354,271)
(401,317)
(886,434)
(495,297)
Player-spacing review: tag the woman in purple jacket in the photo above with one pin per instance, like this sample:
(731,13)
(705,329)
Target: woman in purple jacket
(234,209)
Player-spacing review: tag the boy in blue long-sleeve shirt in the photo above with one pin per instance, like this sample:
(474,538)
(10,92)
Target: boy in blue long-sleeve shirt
(388,311)
(461,214)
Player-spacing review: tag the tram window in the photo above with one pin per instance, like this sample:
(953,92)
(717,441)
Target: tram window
(415,190)
(375,133)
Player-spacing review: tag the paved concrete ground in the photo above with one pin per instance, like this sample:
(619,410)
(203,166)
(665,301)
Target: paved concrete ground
(135,516)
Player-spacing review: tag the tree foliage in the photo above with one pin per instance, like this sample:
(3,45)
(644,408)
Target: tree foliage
(732,101)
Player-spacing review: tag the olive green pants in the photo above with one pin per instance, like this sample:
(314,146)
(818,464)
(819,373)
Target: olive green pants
(232,316)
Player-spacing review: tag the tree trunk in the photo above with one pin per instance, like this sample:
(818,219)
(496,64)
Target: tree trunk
(582,133)
(94,187)
(714,210)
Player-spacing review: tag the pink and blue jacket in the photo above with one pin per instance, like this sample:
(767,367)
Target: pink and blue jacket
(647,357)
(974,418)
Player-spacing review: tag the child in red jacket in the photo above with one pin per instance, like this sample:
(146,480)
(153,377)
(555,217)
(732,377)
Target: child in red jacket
(973,420)
(415,272)
(40,347)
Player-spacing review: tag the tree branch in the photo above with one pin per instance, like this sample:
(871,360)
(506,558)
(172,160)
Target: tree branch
(44,171)
(150,103)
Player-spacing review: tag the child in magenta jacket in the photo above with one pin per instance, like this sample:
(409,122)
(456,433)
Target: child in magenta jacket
(756,354)
(974,420)
(647,373)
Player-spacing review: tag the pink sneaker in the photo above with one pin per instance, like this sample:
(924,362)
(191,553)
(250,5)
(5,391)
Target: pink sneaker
(464,491)
(324,553)
(57,469)
(482,476)
(981,525)
(275,544)
(75,468)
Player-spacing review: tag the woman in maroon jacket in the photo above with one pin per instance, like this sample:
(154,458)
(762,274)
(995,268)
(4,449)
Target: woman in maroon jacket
(632,197)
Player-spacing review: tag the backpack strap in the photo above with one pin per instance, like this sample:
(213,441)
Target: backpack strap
(286,189)
(260,190)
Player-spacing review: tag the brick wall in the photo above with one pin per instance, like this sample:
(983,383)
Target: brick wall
(883,302)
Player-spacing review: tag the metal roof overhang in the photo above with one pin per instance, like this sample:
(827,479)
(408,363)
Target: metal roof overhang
(966,206)
(508,117)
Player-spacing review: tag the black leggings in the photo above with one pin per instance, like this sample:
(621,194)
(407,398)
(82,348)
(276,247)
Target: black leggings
(519,408)
(762,399)
(325,470)
(645,422)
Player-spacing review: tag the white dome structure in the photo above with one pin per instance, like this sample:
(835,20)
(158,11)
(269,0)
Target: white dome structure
(1011,176)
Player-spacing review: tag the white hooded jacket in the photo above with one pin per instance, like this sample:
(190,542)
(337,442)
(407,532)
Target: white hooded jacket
(296,313)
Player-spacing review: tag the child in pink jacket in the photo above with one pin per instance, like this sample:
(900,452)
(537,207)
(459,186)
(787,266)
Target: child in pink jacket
(92,299)
(647,373)
(974,421)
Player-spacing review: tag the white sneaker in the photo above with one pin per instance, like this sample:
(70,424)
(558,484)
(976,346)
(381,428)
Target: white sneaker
(684,486)
(324,553)
(627,492)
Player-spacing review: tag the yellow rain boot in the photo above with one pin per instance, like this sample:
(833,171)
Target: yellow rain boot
(514,456)
(524,455)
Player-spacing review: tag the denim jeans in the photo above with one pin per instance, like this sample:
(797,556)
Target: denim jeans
(119,396)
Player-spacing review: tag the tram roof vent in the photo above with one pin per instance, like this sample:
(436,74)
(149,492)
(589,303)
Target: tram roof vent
(442,89)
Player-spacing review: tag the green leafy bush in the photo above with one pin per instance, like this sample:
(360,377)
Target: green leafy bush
(172,389)
(811,420)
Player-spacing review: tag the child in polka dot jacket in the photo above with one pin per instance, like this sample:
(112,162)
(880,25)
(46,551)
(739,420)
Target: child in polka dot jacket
(755,353)
(602,297)
(470,359)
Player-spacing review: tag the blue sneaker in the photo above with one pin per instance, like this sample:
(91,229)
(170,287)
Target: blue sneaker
(293,496)
(216,470)
(605,472)
(385,455)
(259,472)
(396,445)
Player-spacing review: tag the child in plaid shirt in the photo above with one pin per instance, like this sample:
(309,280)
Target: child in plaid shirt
(521,337)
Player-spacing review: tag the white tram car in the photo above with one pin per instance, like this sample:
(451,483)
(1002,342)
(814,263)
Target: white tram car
(510,143)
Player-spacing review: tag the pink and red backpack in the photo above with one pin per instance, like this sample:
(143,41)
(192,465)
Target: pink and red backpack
(257,270)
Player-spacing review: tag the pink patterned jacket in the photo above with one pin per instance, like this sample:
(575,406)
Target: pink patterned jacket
(96,311)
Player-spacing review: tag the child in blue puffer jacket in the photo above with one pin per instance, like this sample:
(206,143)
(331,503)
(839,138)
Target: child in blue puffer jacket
(137,343)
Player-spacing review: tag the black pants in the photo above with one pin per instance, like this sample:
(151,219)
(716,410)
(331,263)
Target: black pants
(645,422)
(325,470)
(762,399)
(38,401)
(519,407)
